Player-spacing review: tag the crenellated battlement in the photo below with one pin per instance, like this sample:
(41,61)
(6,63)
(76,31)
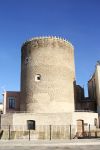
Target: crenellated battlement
(46,38)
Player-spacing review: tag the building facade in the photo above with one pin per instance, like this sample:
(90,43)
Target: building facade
(1,108)
(49,94)
(11,102)
(94,86)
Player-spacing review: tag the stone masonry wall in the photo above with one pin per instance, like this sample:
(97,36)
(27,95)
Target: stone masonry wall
(53,60)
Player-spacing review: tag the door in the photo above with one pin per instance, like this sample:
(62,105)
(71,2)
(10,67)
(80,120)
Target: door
(80,126)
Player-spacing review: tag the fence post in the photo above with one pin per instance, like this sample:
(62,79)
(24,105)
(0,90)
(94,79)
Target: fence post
(9,132)
(50,132)
(89,131)
(29,135)
(70,131)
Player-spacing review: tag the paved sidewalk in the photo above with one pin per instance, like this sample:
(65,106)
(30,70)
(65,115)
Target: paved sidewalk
(52,143)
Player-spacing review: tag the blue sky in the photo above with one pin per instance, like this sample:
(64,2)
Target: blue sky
(76,20)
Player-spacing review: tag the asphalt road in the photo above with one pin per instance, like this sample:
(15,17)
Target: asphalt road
(80,147)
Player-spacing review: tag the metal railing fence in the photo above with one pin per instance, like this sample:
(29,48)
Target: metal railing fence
(49,132)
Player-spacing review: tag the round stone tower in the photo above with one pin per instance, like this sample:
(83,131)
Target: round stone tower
(47,75)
